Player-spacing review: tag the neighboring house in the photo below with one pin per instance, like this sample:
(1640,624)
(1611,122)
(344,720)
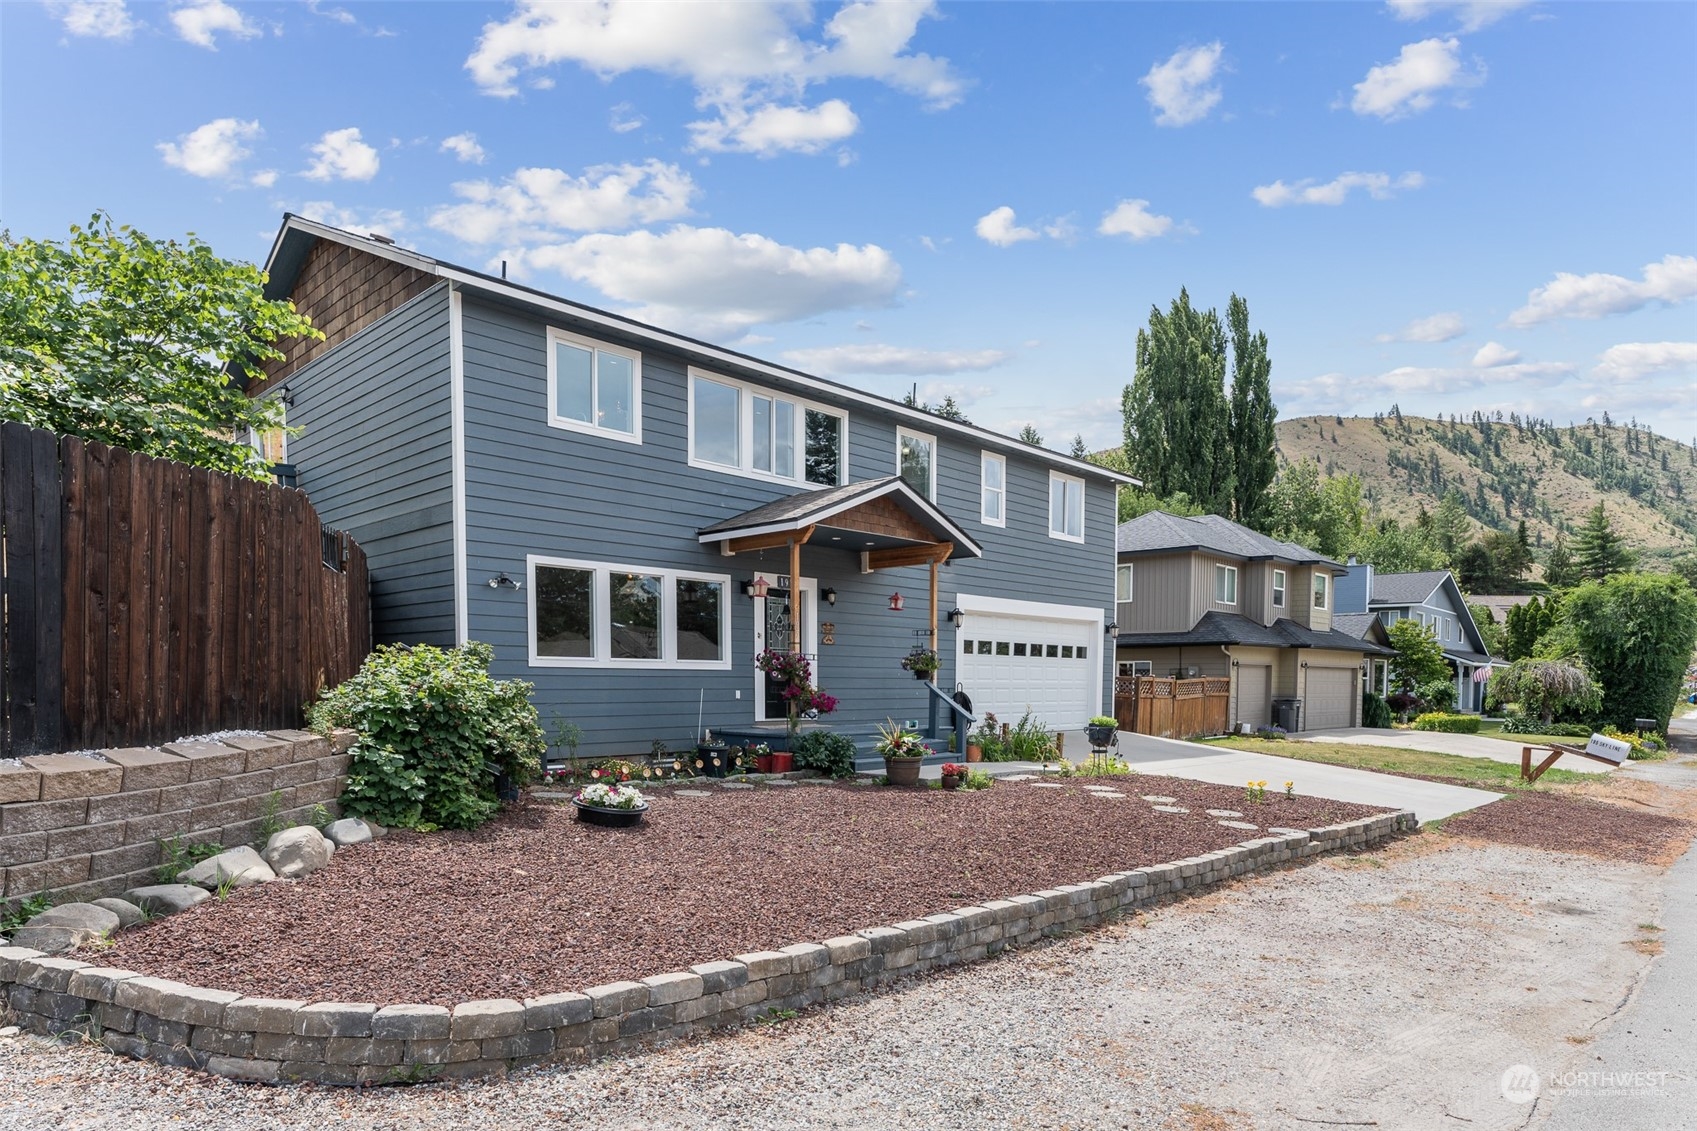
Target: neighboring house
(1433,599)
(598,498)
(1206,597)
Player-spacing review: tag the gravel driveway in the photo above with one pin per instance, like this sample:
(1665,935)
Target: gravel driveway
(1393,988)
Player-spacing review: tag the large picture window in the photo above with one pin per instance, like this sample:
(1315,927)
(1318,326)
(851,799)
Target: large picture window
(597,614)
(1066,507)
(594,387)
(916,461)
(759,433)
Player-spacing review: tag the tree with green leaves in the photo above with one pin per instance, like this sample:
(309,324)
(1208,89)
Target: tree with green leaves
(1079,449)
(1324,513)
(1177,422)
(1560,571)
(1030,435)
(1524,624)
(1636,632)
(1545,688)
(1255,460)
(135,342)
(1393,548)
(1490,629)
(1451,529)
(1598,551)
(1419,659)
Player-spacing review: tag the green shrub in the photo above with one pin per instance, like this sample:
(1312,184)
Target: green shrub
(1028,741)
(1568,730)
(435,731)
(1375,712)
(1438,696)
(1451,724)
(1519,722)
(825,752)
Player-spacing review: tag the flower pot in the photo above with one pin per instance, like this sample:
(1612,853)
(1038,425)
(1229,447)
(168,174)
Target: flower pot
(974,752)
(917,674)
(951,781)
(903,771)
(782,761)
(609,818)
(715,762)
(763,763)
(1101,737)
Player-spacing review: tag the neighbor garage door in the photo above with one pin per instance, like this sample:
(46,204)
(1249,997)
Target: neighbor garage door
(1253,683)
(1012,664)
(1330,699)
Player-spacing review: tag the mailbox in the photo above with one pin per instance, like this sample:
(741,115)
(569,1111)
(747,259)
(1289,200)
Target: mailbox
(1609,749)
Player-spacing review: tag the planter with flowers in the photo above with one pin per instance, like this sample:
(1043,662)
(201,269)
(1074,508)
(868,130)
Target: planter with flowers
(793,676)
(953,773)
(614,806)
(903,753)
(1103,732)
(922,662)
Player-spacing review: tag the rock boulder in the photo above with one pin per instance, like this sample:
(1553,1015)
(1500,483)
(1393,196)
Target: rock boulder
(239,867)
(128,913)
(297,852)
(348,830)
(167,899)
(65,927)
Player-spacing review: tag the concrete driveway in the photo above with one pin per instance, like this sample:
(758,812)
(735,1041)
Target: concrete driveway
(1430,801)
(1465,745)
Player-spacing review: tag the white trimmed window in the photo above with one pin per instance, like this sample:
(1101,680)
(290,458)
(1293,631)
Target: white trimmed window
(1122,582)
(748,430)
(1322,586)
(993,489)
(594,387)
(916,461)
(1066,507)
(1136,667)
(1278,589)
(597,614)
(1225,585)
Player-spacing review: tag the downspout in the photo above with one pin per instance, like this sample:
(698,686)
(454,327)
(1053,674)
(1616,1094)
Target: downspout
(1231,701)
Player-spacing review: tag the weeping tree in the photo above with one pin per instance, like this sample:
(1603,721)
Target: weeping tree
(1546,688)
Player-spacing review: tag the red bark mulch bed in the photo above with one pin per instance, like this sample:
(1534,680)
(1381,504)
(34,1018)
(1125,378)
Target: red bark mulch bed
(537,903)
(1563,823)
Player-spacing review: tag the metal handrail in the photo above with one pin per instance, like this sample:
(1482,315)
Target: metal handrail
(950,701)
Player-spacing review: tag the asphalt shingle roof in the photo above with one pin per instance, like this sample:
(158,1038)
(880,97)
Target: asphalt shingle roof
(1157,531)
(1406,588)
(1234,628)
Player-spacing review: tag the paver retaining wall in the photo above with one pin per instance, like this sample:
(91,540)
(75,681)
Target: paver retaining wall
(276,1041)
(79,828)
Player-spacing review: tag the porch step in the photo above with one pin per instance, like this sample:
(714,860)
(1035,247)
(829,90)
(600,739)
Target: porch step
(864,737)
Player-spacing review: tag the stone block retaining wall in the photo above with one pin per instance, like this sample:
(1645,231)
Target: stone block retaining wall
(79,827)
(274,1041)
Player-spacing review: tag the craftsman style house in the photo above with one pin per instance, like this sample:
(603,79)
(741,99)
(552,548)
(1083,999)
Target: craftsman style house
(630,516)
(1432,598)
(1207,597)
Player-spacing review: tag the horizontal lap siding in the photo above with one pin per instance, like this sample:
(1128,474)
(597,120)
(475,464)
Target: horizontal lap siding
(533,489)
(375,458)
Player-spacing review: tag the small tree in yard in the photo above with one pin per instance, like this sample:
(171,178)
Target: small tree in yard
(1419,665)
(1636,632)
(131,341)
(1545,688)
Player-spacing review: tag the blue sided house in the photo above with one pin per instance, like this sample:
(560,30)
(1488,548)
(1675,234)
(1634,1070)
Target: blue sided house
(630,516)
(1432,598)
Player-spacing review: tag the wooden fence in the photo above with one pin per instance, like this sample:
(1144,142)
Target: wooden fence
(1172,708)
(146,600)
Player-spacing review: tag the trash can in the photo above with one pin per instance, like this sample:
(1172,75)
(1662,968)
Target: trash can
(1287,714)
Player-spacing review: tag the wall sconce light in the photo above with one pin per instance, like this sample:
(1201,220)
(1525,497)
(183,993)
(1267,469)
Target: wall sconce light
(503,579)
(287,396)
(1111,627)
(896,602)
(956,617)
(1305,665)
(756,588)
(829,594)
(1234,663)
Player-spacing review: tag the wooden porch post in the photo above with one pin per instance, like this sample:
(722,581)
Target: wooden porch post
(795,596)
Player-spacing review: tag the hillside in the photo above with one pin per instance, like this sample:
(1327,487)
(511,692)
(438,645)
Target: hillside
(1513,469)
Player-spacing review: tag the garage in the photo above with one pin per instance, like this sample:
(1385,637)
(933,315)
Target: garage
(1254,685)
(1010,663)
(1331,698)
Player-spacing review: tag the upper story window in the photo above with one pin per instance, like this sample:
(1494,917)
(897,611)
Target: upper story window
(592,613)
(1225,585)
(1278,589)
(1322,584)
(1122,582)
(756,432)
(916,461)
(594,387)
(993,489)
(1066,507)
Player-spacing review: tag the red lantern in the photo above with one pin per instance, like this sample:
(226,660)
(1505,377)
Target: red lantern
(758,587)
(895,602)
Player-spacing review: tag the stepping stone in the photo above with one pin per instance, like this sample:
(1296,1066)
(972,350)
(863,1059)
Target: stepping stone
(1224,813)
(1020,777)
(1105,793)
(736,785)
(780,781)
(1245,825)
(692,793)
(1157,799)
(813,781)
(549,795)
(1047,785)
(1169,809)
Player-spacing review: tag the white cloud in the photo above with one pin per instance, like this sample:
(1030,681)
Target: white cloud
(265,178)
(1179,88)
(97,19)
(717,282)
(340,15)
(908,361)
(771,129)
(386,221)
(341,155)
(540,204)
(997,226)
(1630,361)
(1493,354)
(1411,84)
(1098,420)
(1133,219)
(1332,391)
(212,150)
(463,146)
(199,23)
(1379,186)
(1672,280)
(1470,14)
(1435,328)
(623,118)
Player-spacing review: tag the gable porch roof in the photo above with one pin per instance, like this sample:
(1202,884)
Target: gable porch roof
(872,515)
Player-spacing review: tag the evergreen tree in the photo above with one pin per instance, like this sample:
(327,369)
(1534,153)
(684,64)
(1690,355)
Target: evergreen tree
(1177,422)
(1030,435)
(1450,528)
(1080,451)
(1560,572)
(1597,550)
(1254,455)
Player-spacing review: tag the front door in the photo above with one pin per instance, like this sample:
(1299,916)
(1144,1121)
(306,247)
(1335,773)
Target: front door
(772,630)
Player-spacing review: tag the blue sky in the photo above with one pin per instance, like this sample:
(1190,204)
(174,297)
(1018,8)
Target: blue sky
(1449,206)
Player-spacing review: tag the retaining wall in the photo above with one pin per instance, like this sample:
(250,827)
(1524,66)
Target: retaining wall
(78,827)
(275,1041)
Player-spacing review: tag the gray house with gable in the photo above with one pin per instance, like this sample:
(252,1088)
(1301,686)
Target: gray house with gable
(1430,597)
(628,516)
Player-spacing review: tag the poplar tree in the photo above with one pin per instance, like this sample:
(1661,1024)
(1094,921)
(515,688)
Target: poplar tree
(1177,422)
(1255,459)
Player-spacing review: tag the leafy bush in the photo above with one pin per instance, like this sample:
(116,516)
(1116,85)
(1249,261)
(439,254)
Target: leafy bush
(1272,733)
(1028,741)
(825,752)
(1451,724)
(1375,712)
(1518,722)
(1437,695)
(1636,632)
(1567,730)
(1545,688)
(434,732)
(1645,745)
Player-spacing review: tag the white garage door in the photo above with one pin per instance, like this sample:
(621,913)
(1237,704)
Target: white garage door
(1331,698)
(1012,664)
(1253,682)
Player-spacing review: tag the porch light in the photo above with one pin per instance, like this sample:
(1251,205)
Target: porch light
(896,602)
(756,588)
(829,594)
(956,617)
(1110,628)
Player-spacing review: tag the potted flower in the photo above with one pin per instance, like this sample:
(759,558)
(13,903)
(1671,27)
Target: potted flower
(1102,731)
(953,772)
(984,738)
(762,755)
(922,662)
(903,753)
(615,806)
(794,677)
